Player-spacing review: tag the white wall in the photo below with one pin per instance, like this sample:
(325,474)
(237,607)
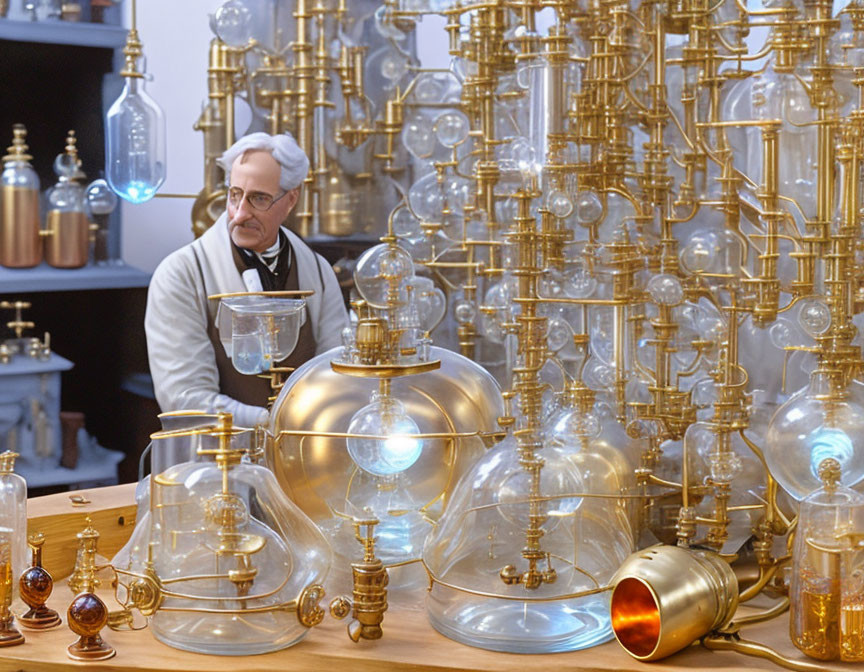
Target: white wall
(176,36)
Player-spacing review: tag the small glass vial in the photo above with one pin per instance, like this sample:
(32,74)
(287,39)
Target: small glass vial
(13,514)
(827,592)
(20,243)
(67,230)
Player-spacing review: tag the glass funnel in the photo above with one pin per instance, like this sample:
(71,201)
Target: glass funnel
(258,331)
(224,563)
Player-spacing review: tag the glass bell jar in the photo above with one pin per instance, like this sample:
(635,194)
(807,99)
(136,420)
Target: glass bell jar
(522,556)
(13,515)
(222,562)
(383,470)
(827,590)
(820,421)
(259,331)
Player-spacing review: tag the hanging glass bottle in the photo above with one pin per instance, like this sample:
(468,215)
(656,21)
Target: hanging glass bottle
(20,245)
(67,231)
(135,133)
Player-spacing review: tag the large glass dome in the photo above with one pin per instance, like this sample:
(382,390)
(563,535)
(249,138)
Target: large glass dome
(399,480)
(485,593)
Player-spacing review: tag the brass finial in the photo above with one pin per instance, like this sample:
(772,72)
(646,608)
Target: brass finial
(71,141)
(17,151)
(7,462)
(830,473)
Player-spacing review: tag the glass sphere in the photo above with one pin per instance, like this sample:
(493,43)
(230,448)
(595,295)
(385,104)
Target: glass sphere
(452,128)
(232,23)
(406,224)
(418,138)
(464,312)
(560,204)
(781,333)
(384,417)
(425,198)
(66,165)
(431,302)
(393,66)
(100,199)
(589,207)
(380,271)
(814,316)
(428,89)
(699,253)
(809,428)
(558,334)
(665,289)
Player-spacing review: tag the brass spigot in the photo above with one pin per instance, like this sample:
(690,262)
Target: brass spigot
(370,589)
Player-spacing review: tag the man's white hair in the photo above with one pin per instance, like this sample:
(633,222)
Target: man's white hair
(283,148)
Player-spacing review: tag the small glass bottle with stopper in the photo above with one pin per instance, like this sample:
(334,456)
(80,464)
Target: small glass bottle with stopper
(67,231)
(36,585)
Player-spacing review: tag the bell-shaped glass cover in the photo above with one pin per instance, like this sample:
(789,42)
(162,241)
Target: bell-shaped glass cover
(521,555)
(231,554)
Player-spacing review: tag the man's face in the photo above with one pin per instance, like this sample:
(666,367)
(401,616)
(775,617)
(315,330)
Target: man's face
(257,172)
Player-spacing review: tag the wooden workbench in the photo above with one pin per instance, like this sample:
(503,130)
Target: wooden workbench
(409,642)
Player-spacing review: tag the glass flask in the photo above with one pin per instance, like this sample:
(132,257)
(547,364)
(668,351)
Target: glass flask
(20,242)
(13,514)
(381,272)
(223,562)
(816,423)
(135,143)
(259,331)
(67,230)
(518,570)
(827,590)
(316,465)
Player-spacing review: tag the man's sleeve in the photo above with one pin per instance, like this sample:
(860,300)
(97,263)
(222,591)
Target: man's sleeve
(333,317)
(182,361)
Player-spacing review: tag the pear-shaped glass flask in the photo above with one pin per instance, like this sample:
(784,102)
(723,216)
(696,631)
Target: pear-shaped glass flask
(135,138)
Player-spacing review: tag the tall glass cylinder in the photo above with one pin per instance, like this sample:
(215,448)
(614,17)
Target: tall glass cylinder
(13,514)
(20,243)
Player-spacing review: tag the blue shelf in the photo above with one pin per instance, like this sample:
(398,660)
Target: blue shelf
(45,278)
(64,32)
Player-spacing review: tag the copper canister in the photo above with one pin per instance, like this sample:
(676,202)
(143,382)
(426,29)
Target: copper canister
(67,239)
(20,243)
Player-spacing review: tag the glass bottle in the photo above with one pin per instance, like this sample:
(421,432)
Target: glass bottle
(67,230)
(826,596)
(13,513)
(20,243)
(135,135)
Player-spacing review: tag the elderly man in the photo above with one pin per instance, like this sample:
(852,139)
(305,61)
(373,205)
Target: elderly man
(247,249)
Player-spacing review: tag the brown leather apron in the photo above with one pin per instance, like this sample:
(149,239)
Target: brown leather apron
(253,390)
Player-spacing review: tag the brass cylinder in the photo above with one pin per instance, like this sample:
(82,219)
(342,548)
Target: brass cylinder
(67,239)
(20,243)
(666,597)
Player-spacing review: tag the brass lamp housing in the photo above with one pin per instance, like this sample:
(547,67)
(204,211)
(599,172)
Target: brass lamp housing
(666,597)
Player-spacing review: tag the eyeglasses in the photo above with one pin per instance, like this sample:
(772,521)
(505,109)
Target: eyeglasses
(257,199)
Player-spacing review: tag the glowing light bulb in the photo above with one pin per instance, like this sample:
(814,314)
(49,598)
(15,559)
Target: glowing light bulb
(135,138)
(388,447)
